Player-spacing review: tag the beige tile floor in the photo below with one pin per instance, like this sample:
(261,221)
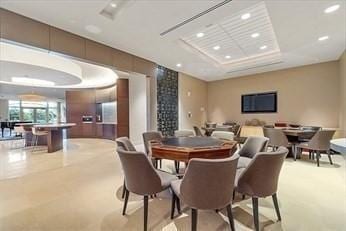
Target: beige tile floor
(79,188)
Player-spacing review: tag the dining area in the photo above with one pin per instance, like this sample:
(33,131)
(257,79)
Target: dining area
(208,171)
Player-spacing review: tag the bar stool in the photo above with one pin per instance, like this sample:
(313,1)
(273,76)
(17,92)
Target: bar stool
(36,133)
(21,131)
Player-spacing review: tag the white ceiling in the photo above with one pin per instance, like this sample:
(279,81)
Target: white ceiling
(137,25)
(34,65)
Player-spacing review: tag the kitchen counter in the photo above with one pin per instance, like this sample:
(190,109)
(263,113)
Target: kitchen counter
(54,137)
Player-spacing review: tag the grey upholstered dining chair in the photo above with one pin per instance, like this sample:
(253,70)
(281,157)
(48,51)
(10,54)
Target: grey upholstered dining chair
(184,133)
(141,178)
(127,145)
(150,137)
(260,179)
(223,135)
(251,147)
(206,185)
(198,131)
(319,143)
(310,132)
(277,138)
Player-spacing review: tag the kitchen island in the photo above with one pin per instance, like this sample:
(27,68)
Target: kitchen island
(54,138)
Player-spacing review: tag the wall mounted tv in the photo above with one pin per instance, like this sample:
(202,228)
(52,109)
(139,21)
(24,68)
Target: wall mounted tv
(259,103)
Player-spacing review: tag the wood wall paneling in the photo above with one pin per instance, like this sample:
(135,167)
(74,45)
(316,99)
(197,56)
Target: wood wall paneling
(122,60)
(144,66)
(24,30)
(99,130)
(105,95)
(67,43)
(79,103)
(98,53)
(83,96)
(113,94)
(102,95)
(122,107)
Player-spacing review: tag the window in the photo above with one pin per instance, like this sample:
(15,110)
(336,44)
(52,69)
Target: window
(14,109)
(52,112)
(34,111)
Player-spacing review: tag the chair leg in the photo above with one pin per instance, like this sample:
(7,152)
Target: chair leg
(255,212)
(243,197)
(176,165)
(329,157)
(124,190)
(32,141)
(294,151)
(194,219)
(233,196)
(276,205)
(127,192)
(173,205)
(230,217)
(310,155)
(146,213)
(178,204)
(318,158)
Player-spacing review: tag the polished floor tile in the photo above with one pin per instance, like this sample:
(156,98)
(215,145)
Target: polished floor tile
(79,188)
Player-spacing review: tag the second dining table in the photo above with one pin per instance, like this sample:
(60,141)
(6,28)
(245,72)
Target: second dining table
(185,148)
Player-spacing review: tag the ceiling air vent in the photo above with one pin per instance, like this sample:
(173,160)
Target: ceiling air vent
(195,17)
(253,67)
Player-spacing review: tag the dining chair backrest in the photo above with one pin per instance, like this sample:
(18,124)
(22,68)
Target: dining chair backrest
(310,131)
(126,143)
(184,133)
(140,176)
(276,137)
(260,178)
(19,129)
(151,136)
(310,128)
(209,183)
(236,129)
(197,131)
(210,125)
(223,135)
(253,145)
(321,140)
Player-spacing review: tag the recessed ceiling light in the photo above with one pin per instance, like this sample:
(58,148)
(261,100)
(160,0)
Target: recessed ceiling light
(323,38)
(200,35)
(216,48)
(113,5)
(178,65)
(227,56)
(31,81)
(255,35)
(246,16)
(263,47)
(93,29)
(331,9)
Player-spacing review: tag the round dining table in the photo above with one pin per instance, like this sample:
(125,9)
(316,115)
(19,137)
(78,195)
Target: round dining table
(185,148)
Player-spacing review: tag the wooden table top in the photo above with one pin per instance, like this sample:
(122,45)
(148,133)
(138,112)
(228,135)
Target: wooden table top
(297,132)
(186,148)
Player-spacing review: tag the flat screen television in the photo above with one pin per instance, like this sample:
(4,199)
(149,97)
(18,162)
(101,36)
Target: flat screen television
(259,103)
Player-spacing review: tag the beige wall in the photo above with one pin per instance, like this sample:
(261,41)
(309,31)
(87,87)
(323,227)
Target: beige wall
(342,65)
(193,103)
(308,95)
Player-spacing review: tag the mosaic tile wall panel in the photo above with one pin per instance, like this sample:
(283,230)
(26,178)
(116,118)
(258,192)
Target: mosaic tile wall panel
(167,101)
